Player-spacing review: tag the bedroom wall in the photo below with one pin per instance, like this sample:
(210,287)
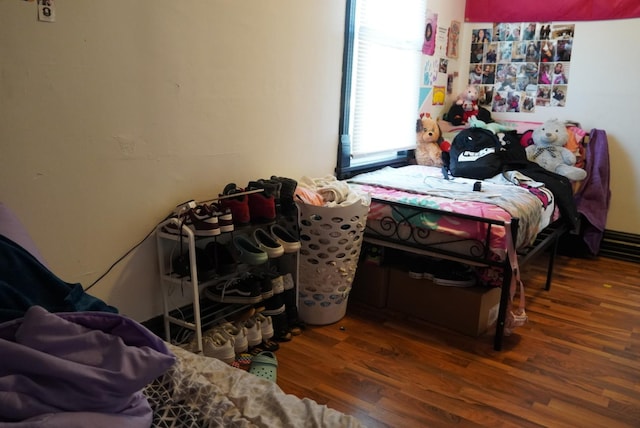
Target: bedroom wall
(602,93)
(120,110)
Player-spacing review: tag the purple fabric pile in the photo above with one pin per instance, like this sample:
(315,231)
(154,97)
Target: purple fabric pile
(77,369)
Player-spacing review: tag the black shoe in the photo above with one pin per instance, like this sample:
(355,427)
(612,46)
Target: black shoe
(204,265)
(223,260)
(243,290)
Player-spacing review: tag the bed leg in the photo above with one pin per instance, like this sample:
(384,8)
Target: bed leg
(502,309)
(552,259)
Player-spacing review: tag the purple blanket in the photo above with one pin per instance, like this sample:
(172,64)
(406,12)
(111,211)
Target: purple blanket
(77,369)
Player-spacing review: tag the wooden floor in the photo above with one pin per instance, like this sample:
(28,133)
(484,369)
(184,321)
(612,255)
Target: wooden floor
(576,363)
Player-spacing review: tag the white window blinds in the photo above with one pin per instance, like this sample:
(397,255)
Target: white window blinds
(386,75)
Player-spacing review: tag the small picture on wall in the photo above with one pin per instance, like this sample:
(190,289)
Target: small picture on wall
(485,95)
(491,53)
(475,74)
(438,95)
(559,95)
(444,64)
(481,35)
(453,38)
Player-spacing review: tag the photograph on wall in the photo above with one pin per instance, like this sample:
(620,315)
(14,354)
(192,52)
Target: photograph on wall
(526,65)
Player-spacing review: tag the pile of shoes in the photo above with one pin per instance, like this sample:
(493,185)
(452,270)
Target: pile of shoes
(260,202)
(222,259)
(244,342)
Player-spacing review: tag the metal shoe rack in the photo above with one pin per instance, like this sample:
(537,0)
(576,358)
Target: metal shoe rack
(203,311)
(200,311)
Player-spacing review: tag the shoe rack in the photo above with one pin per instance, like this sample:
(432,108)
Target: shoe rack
(169,246)
(203,311)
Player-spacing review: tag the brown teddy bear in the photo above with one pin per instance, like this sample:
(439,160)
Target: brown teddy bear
(428,139)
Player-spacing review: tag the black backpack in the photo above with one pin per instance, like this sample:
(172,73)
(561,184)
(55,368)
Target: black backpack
(474,153)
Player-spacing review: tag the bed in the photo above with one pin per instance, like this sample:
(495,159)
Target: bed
(71,360)
(415,209)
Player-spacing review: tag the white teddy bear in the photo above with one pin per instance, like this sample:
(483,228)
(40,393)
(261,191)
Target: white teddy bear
(549,152)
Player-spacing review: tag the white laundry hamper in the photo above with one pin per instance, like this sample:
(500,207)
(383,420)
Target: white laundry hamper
(331,239)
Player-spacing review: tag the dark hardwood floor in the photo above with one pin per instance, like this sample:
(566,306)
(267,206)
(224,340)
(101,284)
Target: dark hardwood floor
(576,363)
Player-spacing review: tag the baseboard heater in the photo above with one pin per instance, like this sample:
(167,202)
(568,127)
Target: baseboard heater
(620,245)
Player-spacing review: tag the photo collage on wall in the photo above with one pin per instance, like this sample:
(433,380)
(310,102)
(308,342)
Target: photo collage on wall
(518,67)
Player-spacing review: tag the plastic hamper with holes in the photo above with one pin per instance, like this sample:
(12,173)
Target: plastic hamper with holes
(331,239)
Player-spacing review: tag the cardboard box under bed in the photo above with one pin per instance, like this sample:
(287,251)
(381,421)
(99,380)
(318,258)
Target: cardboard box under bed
(468,310)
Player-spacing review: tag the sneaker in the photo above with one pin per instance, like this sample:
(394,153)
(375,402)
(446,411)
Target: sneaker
(254,332)
(266,326)
(274,306)
(287,192)
(281,330)
(284,238)
(176,226)
(454,274)
(202,222)
(219,347)
(277,283)
(262,205)
(423,268)
(237,205)
(225,217)
(266,287)
(267,244)
(416,270)
(287,281)
(181,265)
(248,252)
(244,290)
(223,261)
(235,332)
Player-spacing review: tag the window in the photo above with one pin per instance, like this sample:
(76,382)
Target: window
(382,69)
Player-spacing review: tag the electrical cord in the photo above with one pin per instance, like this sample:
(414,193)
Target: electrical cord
(126,254)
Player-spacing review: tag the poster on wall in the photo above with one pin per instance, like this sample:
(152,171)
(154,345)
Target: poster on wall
(519,67)
(430,31)
(453,36)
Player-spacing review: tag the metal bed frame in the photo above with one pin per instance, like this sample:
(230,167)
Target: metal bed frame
(400,233)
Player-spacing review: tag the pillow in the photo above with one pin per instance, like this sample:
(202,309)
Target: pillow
(12,228)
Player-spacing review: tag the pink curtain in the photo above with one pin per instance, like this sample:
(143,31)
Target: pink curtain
(550,10)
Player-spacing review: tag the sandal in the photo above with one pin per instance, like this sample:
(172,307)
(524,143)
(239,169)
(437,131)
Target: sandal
(266,345)
(265,365)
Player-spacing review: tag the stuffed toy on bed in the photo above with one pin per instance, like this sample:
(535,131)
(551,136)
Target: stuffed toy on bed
(548,150)
(466,107)
(428,139)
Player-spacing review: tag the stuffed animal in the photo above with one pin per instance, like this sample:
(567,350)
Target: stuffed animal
(549,152)
(466,106)
(469,102)
(428,139)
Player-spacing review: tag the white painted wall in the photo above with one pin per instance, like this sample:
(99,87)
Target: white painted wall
(120,110)
(602,93)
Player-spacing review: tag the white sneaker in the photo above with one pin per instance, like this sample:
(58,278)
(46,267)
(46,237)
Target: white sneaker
(287,281)
(237,333)
(254,333)
(219,347)
(266,326)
